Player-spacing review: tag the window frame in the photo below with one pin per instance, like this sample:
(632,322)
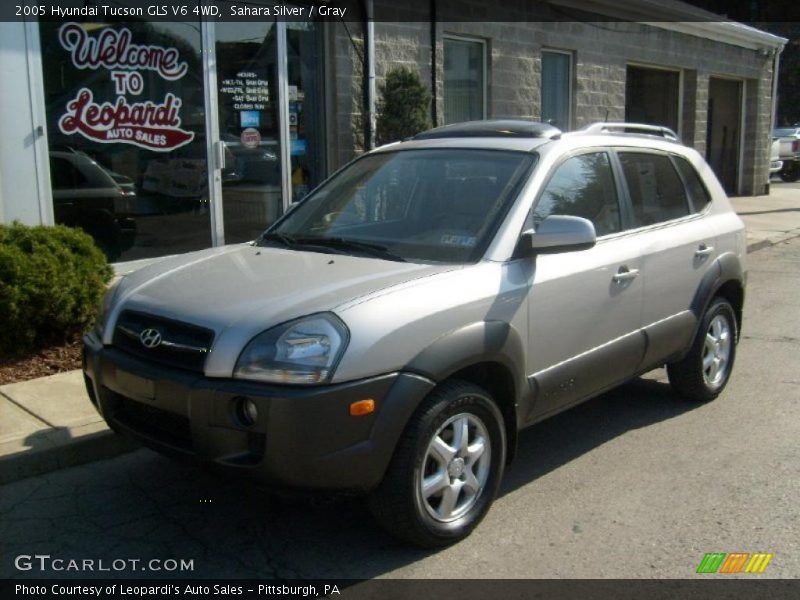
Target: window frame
(694,210)
(624,207)
(631,226)
(570,81)
(456,37)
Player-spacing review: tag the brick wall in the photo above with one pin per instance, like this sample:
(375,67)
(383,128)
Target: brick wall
(601,53)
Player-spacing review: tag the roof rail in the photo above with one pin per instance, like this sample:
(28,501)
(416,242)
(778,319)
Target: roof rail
(514,128)
(633,128)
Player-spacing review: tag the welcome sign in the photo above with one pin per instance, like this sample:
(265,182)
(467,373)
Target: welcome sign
(150,125)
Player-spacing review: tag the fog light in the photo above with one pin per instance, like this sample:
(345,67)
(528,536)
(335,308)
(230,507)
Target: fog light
(246,412)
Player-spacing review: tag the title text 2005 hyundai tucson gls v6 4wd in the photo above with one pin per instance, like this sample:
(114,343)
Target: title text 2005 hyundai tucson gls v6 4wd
(393,331)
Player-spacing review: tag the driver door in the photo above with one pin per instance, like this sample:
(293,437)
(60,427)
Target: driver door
(585,306)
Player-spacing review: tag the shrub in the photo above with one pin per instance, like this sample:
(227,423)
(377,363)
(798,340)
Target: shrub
(403,107)
(52,280)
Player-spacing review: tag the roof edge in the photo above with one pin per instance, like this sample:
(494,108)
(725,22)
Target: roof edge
(673,15)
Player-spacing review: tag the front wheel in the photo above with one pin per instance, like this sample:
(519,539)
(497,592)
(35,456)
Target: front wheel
(446,469)
(704,372)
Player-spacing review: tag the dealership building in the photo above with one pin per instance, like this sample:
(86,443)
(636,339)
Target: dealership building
(162,137)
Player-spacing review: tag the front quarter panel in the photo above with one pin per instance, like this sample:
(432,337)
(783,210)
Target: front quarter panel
(391,331)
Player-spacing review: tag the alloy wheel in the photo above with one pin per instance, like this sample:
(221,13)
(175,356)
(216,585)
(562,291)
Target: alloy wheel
(455,467)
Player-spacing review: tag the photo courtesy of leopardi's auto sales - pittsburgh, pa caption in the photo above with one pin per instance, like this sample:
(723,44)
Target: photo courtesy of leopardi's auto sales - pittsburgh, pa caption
(286,11)
(188,590)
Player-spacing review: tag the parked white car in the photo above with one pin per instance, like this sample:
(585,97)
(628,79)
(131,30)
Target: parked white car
(775,162)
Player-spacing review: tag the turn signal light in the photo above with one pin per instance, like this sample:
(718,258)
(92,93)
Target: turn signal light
(362,407)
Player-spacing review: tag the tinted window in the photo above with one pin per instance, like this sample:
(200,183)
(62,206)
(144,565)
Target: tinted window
(583,186)
(697,191)
(64,175)
(656,191)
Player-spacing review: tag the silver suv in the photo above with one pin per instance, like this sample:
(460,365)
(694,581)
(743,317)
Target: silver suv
(392,333)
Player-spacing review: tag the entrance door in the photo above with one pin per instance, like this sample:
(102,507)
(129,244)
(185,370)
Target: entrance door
(265,89)
(723,137)
(249,148)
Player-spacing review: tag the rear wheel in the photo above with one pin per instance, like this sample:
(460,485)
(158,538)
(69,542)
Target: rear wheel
(790,172)
(446,470)
(704,372)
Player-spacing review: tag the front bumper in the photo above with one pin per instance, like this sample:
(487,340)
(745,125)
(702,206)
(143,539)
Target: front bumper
(304,437)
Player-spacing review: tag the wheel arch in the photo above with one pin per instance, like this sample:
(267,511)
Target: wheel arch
(489,354)
(726,279)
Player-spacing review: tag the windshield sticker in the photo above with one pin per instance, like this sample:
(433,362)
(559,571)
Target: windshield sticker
(463,241)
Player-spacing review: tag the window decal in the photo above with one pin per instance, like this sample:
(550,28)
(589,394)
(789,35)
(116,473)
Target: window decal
(150,125)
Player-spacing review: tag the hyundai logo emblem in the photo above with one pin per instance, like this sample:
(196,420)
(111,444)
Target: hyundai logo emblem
(150,338)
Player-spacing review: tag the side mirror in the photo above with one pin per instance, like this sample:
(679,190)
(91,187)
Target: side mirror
(559,233)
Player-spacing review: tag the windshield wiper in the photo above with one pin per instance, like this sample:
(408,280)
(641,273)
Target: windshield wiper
(343,244)
(281,238)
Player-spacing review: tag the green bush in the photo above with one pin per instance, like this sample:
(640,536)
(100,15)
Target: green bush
(52,280)
(403,107)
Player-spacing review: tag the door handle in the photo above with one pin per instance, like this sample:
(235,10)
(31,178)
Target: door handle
(703,250)
(219,155)
(625,274)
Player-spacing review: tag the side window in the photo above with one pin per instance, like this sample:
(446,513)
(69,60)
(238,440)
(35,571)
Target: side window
(63,175)
(657,193)
(697,190)
(583,186)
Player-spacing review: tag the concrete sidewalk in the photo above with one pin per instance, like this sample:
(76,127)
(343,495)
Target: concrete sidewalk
(49,423)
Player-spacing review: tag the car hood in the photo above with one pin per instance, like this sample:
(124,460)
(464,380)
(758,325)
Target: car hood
(242,290)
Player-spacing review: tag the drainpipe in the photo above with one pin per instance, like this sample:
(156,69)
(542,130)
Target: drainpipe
(434,112)
(369,58)
(776,64)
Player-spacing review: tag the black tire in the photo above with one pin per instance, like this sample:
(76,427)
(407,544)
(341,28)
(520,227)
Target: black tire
(397,504)
(688,377)
(790,173)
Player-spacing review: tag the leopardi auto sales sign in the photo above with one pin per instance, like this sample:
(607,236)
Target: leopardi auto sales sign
(150,125)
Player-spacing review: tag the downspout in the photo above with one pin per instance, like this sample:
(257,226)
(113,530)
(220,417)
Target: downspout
(434,111)
(369,59)
(776,64)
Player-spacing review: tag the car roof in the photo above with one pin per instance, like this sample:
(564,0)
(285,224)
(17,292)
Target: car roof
(527,136)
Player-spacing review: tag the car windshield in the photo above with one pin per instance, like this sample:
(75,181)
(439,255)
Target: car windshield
(427,205)
(785,132)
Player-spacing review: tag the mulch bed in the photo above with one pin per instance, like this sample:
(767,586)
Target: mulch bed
(52,360)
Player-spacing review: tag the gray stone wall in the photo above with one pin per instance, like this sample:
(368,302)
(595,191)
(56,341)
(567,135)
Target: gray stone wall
(601,53)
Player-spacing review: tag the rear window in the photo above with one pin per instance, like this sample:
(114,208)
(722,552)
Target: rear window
(698,193)
(657,193)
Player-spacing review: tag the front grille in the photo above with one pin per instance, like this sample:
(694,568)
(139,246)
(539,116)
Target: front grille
(155,423)
(183,345)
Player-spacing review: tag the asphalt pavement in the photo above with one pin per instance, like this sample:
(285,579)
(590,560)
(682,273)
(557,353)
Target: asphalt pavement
(635,483)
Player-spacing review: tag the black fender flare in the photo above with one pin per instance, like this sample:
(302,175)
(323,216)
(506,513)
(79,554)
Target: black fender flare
(473,344)
(726,267)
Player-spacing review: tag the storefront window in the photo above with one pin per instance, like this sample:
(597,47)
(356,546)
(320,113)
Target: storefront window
(126,128)
(305,107)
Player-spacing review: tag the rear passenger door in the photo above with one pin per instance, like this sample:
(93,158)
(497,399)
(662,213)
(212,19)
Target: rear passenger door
(585,306)
(666,218)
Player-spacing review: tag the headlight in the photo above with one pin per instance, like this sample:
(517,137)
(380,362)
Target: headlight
(105,307)
(303,351)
